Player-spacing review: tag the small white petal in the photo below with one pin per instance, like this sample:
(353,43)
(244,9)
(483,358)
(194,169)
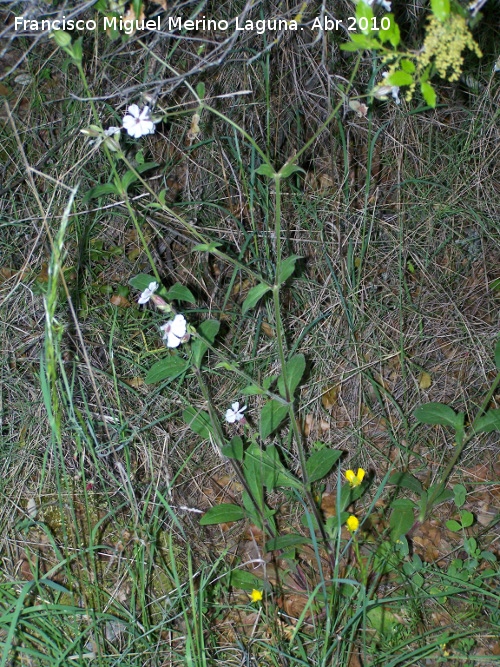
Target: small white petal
(174,331)
(133,110)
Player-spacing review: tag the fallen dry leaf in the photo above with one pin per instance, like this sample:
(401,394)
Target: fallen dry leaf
(330,396)
(425,380)
(120,301)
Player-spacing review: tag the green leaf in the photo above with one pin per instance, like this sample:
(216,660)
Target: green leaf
(446,494)
(271,416)
(101,191)
(207,247)
(407,66)
(402,517)
(406,481)
(289,169)
(467,518)
(361,42)
(460,494)
(198,421)
(223,513)
(266,170)
(436,413)
(453,526)
(364,11)
(253,296)
(61,38)
(441,9)
(286,542)
(286,269)
(497,354)
(268,467)
(399,78)
(206,336)
(392,35)
(180,293)
(171,367)
(428,93)
(246,581)
(320,463)
(200,90)
(141,281)
(295,368)
(252,390)
(234,450)
(489,422)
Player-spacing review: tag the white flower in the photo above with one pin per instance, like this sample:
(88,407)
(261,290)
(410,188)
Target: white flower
(384,89)
(111,131)
(235,413)
(148,293)
(138,123)
(385,4)
(174,331)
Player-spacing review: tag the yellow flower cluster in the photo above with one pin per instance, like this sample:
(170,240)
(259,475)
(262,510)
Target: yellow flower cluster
(444,42)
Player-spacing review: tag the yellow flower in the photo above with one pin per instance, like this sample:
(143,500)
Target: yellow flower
(355,479)
(255,595)
(352,523)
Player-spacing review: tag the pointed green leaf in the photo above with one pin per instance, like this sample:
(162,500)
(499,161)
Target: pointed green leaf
(295,368)
(488,422)
(101,191)
(206,247)
(406,481)
(127,179)
(441,9)
(223,513)
(289,169)
(266,170)
(253,296)
(428,93)
(268,468)
(141,281)
(246,581)
(497,354)
(399,78)
(408,66)
(171,367)
(286,542)
(234,450)
(207,332)
(392,35)
(271,416)
(320,463)
(180,293)
(402,517)
(252,390)
(436,413)
(198,421)
(286,269)
(364,11)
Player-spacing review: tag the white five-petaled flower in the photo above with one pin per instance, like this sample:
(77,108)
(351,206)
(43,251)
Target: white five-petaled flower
(235,413)
(174,331)
(148,293)
(137,122)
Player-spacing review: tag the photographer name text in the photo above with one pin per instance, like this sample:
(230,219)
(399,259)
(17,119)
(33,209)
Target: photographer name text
(177,23)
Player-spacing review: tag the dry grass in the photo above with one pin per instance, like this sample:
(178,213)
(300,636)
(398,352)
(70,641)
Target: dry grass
(396,220)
